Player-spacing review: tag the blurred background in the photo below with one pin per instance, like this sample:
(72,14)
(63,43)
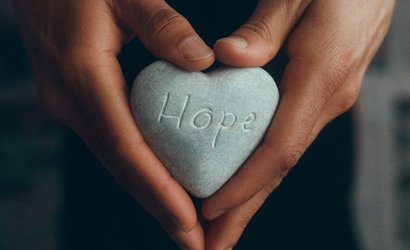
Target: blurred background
(31,146)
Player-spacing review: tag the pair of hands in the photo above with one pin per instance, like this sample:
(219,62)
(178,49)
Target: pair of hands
(74,46)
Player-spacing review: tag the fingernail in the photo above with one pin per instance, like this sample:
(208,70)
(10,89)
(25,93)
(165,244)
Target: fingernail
(193,48)
(217,214)
(235,41)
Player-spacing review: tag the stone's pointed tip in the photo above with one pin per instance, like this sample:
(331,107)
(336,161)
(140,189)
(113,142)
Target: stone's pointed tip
(201,194)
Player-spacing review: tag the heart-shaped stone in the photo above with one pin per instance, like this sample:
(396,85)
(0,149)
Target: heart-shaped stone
(202,127)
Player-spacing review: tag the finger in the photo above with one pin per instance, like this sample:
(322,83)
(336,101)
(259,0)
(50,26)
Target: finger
(186,238)
(224,232)
(340,102)
(310,80)
(302,101)
(110,131)
(260,38)
(346,96)
(192,240)
(97,99)
(166,33)
(283,144)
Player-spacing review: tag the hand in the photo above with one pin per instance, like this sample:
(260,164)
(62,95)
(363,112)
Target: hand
(330,45)
(73,46)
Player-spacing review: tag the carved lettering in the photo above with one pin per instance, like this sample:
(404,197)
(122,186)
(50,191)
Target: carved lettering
(197,122)
(246,124)
(179,117)
(223,125)
(204,118)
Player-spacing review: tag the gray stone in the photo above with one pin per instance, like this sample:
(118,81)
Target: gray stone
(201,126)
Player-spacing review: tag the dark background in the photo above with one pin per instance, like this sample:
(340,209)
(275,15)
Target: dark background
(54,195)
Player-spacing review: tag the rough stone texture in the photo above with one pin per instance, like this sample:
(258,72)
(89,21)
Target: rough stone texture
(203,126)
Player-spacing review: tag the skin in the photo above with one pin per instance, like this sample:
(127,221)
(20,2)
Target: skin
(73,46)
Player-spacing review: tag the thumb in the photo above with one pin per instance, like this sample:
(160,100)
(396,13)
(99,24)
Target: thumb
(166,33)
(257,41)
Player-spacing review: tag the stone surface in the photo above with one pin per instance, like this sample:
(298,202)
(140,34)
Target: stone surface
(203,126)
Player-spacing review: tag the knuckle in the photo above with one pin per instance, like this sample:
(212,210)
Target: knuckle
(290,157)
(269,189)
(260,28)
(339,69)
(294,8)
(163,19)
(335,74)
(342,65)
(349,98)
(243,221)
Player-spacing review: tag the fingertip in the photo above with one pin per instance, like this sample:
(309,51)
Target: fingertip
(181,212)
(243,51)
(193,54)
(225,199)
(168,35)
(206,210)
(194,239)
(223,233)
(210,211)
(189,223)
